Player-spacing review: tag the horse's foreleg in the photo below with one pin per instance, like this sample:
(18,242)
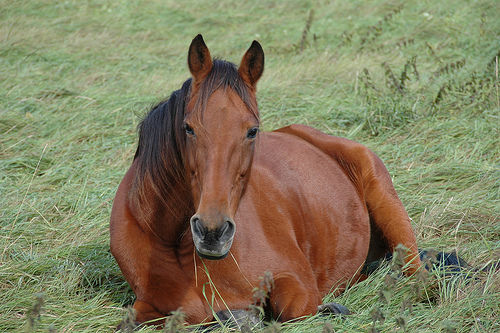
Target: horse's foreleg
(291,299)
(145,312)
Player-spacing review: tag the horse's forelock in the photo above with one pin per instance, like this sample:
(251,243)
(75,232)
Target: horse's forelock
(224,75)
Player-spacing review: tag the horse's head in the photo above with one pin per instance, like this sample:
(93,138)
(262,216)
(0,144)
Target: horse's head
(221,126)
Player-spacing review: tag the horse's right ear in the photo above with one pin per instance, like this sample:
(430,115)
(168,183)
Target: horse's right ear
(252,64)
(199,59)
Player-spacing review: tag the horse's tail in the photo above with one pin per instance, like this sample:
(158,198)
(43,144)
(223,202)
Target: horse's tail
(450,263)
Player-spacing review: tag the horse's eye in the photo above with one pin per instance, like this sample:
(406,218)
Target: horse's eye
(252,133)
(189,129)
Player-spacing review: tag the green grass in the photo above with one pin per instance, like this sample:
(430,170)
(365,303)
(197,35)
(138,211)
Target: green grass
(75,78)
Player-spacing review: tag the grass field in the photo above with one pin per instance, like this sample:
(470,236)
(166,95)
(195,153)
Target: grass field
(416,81)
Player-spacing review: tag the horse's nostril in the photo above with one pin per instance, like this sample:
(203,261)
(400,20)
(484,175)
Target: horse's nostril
(223,229)
(197,227)
(227,230)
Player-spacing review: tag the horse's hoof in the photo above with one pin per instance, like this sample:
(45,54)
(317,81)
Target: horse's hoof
(127,326)
(240,319)
(333,308)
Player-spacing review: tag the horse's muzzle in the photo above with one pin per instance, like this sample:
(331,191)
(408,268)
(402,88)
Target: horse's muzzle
(213,244)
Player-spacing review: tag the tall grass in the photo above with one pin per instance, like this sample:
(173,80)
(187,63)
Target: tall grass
(417,82)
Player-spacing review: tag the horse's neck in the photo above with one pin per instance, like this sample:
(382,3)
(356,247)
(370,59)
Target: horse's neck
(167,220)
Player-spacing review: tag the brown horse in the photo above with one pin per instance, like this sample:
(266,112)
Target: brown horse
(210,203)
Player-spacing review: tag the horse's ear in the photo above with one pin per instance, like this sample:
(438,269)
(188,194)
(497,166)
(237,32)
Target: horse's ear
(252,64)
(199,59)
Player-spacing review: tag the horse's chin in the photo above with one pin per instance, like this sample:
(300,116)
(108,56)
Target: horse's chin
(211,255)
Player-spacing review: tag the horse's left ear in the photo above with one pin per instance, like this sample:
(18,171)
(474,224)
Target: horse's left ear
(252,64)
(199,59)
